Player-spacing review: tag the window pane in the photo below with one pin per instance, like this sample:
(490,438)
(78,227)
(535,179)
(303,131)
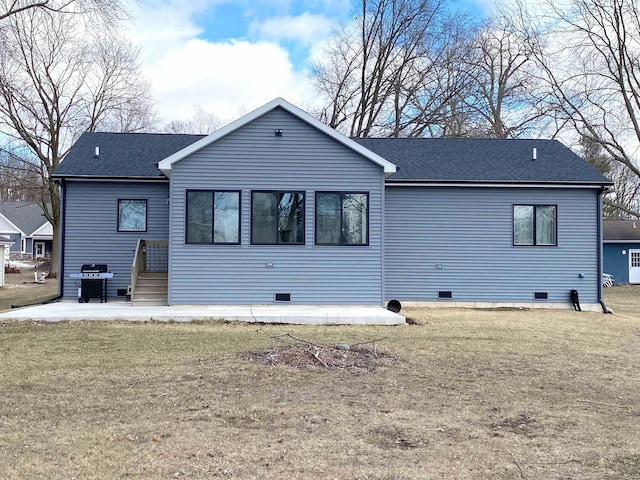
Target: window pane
(354,211)
(132,215)
(291,218)
(264,211)
(328,218)
(226,217)
(200,217)
(523,225)
(546,225)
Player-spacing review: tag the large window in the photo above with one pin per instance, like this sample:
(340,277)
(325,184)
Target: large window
(213,217)
(277,218)
(342,218)
(535,225)
(132,215)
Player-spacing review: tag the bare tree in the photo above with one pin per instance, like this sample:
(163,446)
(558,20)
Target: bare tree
(201,122)
(626,189)
(390,71)
(502,99)
(589,68)
(20,178)
(56,81)
(110,11)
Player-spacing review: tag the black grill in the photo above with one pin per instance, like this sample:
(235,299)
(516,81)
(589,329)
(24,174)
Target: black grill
(93,287)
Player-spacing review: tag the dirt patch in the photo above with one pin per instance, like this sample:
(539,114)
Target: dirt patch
(522,424)
(628,465)
(322,356)
(393,436)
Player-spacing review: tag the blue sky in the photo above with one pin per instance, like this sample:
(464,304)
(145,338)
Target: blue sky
(231,56)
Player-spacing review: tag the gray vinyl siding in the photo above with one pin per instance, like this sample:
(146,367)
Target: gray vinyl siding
(91,223)
(16,238)
(469,233)
(253,158)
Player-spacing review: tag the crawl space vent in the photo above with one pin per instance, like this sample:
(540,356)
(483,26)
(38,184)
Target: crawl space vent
(445,294)
(541,296)
(283,297)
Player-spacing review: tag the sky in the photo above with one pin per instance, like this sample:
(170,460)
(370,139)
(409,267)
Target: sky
(232,56)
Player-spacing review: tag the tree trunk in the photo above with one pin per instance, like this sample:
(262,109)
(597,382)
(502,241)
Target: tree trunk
(56,256)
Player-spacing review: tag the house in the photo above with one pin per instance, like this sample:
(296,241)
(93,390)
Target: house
(278,207)
(28,229)
(621,250)
(4,242)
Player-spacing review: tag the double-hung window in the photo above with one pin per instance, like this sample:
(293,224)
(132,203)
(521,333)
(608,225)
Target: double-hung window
(342,218)
(535,225)
(132,215)
(213,217)
(277,218)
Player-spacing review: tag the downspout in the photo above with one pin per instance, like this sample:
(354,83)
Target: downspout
(605,309)
(61,255)
(63,224)
(383,243)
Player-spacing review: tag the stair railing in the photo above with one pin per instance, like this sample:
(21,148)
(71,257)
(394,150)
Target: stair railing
(138,265)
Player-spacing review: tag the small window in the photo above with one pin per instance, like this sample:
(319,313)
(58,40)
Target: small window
(535,225)
(342,218)
(277,218)
(132,215)
(213,217)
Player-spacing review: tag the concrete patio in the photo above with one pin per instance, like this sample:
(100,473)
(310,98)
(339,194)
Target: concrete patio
(124,311)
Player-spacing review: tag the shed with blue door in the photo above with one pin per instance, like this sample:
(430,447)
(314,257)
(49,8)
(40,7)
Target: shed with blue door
(621,250)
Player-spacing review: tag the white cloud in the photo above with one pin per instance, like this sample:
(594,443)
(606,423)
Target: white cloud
(226,78)
(306,28)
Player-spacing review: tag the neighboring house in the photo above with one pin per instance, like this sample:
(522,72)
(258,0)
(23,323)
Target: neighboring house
(25,224)
(278,207)
(621,249)
(4,242)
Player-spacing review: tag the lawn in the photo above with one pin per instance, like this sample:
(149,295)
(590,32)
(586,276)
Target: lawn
(20,289)
(462,394)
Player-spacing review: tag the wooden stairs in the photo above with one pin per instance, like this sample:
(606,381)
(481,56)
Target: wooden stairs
(151,289)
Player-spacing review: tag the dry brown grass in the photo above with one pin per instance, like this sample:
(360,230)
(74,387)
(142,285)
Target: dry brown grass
(472,394)
(20,289)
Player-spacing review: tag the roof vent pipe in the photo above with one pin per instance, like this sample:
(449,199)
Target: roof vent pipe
(97,152)
(534,154)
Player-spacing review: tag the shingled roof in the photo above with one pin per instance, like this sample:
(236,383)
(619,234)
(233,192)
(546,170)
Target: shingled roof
(28,217)
(460,160)
(621,231)
(121,155)
(483,160)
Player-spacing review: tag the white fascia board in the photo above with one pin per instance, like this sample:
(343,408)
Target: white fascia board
(165,165)
(11,225)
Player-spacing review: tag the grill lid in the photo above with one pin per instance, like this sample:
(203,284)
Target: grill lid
(94,268)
